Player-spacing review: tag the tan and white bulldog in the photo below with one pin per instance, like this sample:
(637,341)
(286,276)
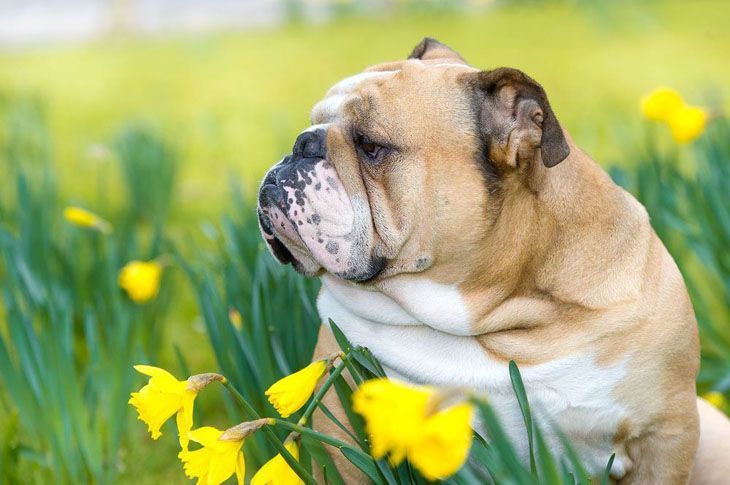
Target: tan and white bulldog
(455,226)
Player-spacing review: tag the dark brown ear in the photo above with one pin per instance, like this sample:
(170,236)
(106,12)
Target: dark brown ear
(430,48)
(516,118)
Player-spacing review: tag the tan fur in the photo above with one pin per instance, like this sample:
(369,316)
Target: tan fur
(550,261)
(712,465)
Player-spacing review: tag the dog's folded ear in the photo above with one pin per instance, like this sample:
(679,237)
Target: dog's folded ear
(516,119)
(429,49)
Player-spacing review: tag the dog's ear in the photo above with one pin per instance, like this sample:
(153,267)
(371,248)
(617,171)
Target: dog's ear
(430,48)
(516,119)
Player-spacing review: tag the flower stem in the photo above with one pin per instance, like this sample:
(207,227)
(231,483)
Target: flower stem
(271,436)
(320,393)
(304,431)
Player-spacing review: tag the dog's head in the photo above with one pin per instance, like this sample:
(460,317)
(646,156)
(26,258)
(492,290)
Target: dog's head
(403,164)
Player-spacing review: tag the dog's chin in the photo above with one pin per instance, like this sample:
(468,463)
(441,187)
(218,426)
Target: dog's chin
(373,269)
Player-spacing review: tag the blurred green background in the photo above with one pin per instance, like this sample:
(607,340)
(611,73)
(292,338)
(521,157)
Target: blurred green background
(227,103)
(233,102)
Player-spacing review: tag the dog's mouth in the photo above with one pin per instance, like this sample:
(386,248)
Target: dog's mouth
(278,249)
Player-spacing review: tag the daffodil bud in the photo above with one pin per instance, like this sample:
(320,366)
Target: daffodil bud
(244,430)
(198,382)
(83,218)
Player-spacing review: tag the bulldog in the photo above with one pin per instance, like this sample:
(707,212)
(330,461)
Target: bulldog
(456,226)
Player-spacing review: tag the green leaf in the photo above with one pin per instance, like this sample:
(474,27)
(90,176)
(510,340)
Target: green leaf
(368,467)
(606,479)
(521,395)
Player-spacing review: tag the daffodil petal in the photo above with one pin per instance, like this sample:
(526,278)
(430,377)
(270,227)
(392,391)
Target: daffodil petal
(205,435)
(240,469)
(444,445)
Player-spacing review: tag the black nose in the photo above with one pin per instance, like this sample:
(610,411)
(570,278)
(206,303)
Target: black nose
(310,144)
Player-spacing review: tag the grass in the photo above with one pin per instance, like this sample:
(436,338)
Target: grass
(162,136)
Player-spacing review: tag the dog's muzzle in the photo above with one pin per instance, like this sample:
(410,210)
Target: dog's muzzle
(308,219)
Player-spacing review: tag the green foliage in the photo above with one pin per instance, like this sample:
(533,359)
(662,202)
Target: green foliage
(69,336)
(236,100)
(149,166)
(279,323)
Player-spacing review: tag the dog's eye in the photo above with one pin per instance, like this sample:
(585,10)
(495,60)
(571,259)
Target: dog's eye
(369,148)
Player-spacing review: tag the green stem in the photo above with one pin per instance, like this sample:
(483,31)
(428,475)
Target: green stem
(347,359)
(304,431)
(320,393)
(271,436)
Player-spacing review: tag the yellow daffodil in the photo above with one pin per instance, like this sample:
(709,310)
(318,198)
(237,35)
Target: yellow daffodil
(289,394)
(276,471)
(83,218)
(235,317)
(717,399)
(164,396)
(687,123)
(393,415)
(217,460)
(401,421)
(141,280)
(661,103)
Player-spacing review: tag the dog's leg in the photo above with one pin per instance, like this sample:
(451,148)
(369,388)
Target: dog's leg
(665,454)
(326,346)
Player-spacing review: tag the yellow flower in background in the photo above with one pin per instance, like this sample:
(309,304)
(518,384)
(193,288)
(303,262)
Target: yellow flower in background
(717,399)
(235,317)
(661,103)
(289,394)
(687,123)
(444,444)
(277,471)
(162,397)
(141,280)
(216,461)
(401,422)
(83,218)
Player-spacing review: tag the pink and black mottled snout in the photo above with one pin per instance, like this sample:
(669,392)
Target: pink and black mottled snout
(307,218)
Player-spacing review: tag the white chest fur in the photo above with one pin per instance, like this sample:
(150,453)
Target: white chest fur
(572,392)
